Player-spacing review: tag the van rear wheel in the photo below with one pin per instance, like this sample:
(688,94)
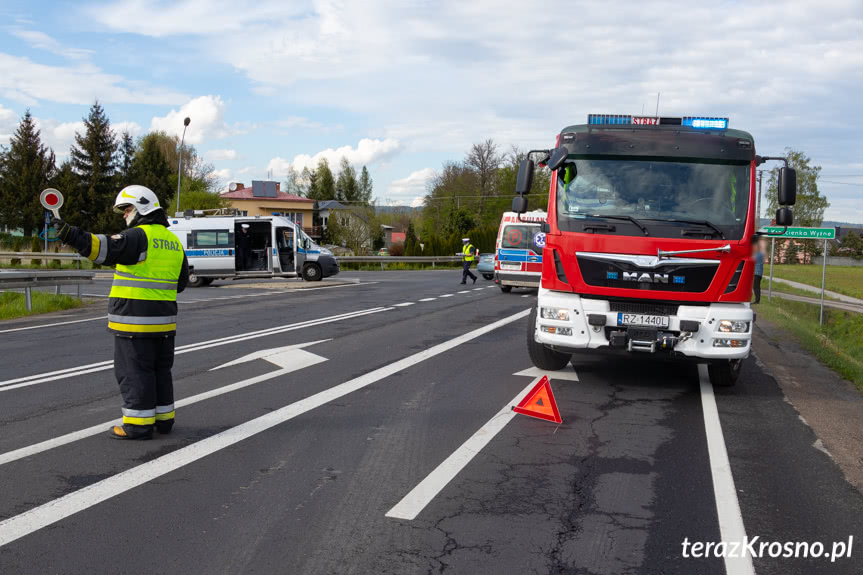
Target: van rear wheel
(312,273)
(195,281)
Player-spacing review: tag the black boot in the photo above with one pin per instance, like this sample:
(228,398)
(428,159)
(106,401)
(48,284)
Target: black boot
(164,427)
(127,431)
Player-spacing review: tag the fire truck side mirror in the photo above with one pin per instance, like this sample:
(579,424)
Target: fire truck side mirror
(519,204)
(558,157)
(524,181)
(787,187)
(784,217)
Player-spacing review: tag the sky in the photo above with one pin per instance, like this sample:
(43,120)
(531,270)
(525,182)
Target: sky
(404,86)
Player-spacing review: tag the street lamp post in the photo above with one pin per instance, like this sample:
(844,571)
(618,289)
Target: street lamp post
(180,166)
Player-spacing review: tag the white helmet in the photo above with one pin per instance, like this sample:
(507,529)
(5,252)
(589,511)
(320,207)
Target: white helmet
(142,199)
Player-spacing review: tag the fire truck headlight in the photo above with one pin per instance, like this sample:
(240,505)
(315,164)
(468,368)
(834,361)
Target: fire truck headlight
(554,313)
(733,326)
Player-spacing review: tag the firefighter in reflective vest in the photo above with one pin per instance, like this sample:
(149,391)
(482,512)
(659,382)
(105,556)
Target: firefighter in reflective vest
(468,254)
(150,269)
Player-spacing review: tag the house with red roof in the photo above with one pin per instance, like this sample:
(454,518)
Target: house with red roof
(267,199)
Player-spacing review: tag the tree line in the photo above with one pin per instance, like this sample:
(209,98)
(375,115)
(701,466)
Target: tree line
(100,163)
(321,184)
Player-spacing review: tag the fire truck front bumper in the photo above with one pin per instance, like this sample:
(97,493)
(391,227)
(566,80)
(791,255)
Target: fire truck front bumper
(569,322)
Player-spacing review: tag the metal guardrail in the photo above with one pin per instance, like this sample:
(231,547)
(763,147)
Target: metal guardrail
(40,256)
(384,260)
(15,279)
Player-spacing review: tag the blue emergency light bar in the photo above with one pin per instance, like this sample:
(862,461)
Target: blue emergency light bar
(700,122)
(715,123)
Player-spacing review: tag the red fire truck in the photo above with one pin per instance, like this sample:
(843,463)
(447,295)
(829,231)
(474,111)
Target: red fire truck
(649,241)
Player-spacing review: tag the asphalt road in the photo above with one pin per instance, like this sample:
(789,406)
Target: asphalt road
(367,429)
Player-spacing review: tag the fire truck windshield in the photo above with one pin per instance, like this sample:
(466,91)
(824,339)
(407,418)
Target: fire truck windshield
(668,197)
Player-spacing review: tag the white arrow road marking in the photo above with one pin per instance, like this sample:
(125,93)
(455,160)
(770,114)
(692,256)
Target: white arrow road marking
(53,511)
(420,496)
(105,365)
(290,358)
(567,373)
(727,507)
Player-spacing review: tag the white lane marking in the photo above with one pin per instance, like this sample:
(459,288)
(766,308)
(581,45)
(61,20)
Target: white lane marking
(447,295)
(291,358)
(53,324)
(405,304)
(727,507)
(414,502)
(104,365)
(428,299)
(478,289)
(49,513)
(465,291)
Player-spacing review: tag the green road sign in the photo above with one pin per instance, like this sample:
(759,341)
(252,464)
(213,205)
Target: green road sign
(802,233)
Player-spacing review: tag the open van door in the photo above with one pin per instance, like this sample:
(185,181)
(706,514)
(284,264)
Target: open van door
(253,246)
(286,247)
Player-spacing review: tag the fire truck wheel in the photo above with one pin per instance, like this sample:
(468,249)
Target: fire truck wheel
(506,289)
(541,356)
(724,373)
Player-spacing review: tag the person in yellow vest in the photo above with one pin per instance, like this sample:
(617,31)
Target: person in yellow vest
(150,269)
(468,254)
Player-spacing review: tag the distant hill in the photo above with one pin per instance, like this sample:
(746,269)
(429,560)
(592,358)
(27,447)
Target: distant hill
(391,209)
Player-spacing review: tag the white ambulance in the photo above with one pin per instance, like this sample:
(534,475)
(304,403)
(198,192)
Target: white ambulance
(278,248)
(518,252)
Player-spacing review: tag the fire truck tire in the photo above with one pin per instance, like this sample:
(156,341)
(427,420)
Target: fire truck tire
(506,289)
(541,356)
(724,373)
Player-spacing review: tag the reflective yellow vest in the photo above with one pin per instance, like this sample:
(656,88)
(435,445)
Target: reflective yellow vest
(465,252)
(143,298)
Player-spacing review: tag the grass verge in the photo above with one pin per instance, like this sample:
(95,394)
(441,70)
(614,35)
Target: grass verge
(784,288)
(12,304)
(846,280)
(838,344)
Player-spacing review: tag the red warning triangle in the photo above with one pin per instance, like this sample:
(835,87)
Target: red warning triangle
(539,402)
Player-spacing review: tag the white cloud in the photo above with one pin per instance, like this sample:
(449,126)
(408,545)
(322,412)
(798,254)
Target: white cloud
(28,82)
(367,152)
(220,155)
(246,170)
(222,175)
(207,114)
(133,128)
(42,41)
(59,136)
(8,122)
(412,188)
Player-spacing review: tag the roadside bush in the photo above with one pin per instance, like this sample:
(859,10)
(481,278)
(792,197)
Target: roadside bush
(35,247)
(16,247)
(397,250)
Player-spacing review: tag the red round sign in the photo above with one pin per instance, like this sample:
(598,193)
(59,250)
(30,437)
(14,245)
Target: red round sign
(52,199)
(514,237)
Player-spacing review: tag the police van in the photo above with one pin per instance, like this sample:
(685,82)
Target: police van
(277,248)
(518,251)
